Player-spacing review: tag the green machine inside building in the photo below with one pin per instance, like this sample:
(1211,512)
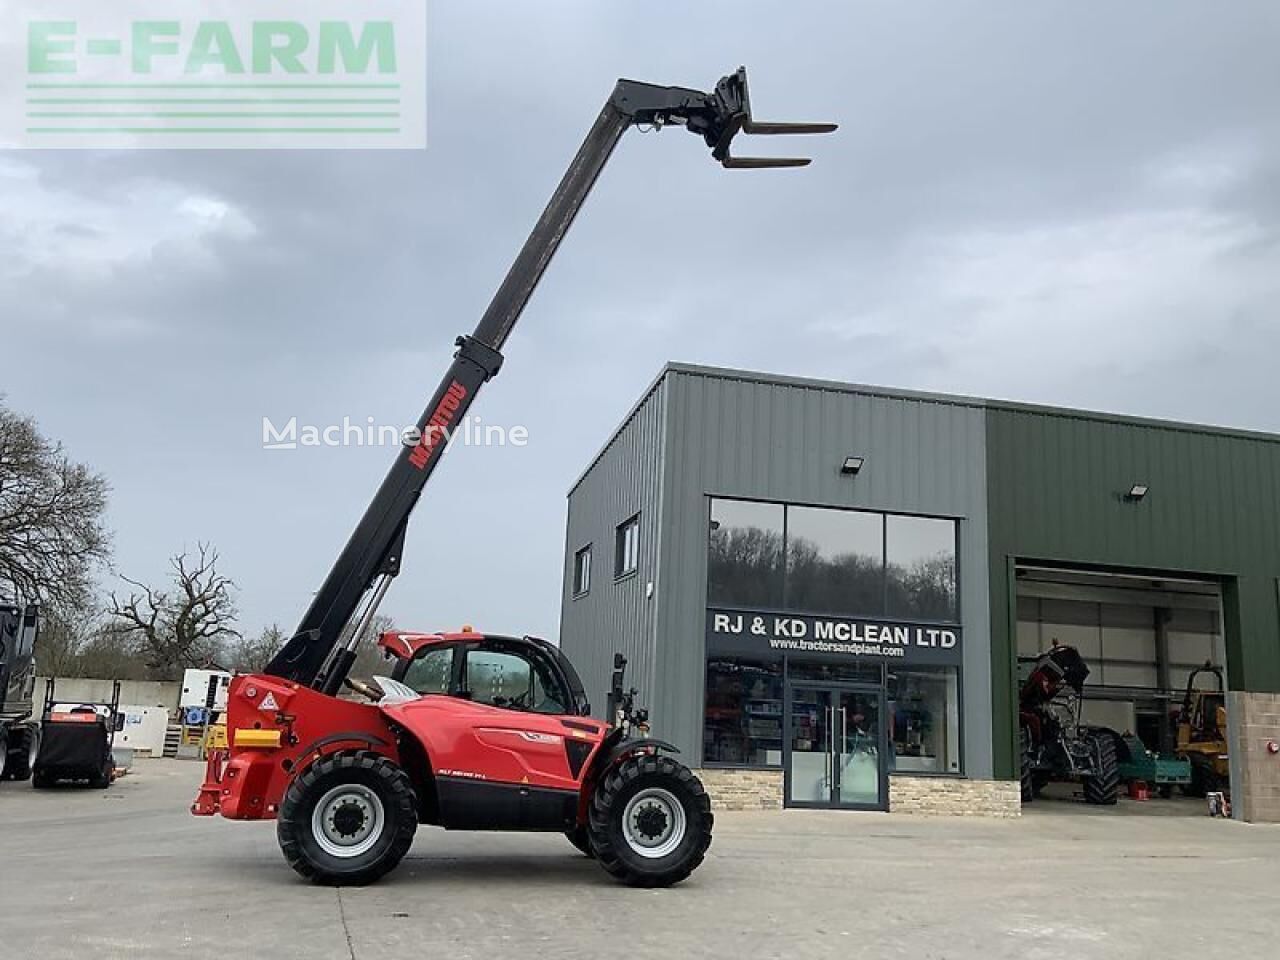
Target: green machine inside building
(832,595)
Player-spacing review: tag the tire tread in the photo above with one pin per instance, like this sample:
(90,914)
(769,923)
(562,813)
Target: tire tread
(605,801)
(290,827)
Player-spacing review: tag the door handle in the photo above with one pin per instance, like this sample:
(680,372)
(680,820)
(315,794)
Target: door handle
(831,745)
(844,730)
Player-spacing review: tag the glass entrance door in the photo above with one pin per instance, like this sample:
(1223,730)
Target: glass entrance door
(836,748)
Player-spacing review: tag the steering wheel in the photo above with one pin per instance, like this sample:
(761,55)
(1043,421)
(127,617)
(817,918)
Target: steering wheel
(370,690)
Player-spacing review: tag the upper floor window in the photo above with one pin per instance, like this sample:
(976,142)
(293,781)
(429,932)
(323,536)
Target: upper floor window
(626,552)
(920,568)
(835,560)
(744,559)
(828,560)
(582,571)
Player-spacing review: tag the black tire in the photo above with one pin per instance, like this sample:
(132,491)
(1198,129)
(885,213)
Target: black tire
(1028,777)
(580,837)
(1165,790)
(41,780)
(22,757)
(1201,778)
(379,791)
(1103,787)
(657,783)
(102,778)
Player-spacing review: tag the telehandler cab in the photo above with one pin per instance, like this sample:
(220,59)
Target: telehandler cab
(470,731)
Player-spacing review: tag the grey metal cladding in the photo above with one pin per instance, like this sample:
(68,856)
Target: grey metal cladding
(739,434)
(624,479)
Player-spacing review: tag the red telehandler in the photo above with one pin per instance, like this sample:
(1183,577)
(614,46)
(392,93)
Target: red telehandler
(469,731)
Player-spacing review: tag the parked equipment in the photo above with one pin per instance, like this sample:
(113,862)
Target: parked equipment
(1202,735)
(19,733)
(1055,745)
(470,731)
(1138,764)
(76,740)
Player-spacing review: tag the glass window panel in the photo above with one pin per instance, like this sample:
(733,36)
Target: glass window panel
(504,679)
(431,671)
(744,554)
(582,571)
(626,555)
(924,713)
(848,671)
(742,723)
(921,568)
(835,561)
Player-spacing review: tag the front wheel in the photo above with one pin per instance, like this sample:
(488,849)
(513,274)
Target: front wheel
(650,821)
(348,819)
(1027,784)
(580,837)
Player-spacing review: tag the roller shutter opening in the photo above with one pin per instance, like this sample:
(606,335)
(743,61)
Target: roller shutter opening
(1141,638)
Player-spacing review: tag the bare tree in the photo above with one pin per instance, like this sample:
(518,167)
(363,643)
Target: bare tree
(185,624)
(250,654)
(80,643)
(369,658)
(63,635)
(51,517)
(110,653)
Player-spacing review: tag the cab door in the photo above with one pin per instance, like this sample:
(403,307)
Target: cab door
(501,752)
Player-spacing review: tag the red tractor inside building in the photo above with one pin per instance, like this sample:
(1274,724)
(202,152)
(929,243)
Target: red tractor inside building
(468,731)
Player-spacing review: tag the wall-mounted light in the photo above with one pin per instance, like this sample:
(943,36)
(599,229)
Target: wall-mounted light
(851,466)
(1136,492)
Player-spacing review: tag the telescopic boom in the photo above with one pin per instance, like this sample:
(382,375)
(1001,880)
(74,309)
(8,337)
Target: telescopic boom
(321,651)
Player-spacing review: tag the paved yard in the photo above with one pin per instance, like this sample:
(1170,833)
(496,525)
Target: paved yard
(127,873)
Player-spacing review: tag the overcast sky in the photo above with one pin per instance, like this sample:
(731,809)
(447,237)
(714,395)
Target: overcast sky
(1073,204)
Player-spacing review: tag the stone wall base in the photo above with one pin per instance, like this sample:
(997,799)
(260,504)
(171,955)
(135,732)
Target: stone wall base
(1256,720)
(743,789)
(954,797)
(762,790)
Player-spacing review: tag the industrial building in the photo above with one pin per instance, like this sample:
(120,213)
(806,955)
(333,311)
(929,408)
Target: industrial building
(826,591)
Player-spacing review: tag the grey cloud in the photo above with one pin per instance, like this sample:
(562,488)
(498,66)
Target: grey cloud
(967,128)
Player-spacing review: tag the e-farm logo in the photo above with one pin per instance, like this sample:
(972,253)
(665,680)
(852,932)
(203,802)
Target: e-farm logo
(218,73)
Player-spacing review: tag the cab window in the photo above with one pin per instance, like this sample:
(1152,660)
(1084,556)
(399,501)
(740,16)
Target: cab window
(431,671)
(503,678)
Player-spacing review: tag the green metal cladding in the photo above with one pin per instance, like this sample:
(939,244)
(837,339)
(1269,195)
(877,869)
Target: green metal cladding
(1056,485)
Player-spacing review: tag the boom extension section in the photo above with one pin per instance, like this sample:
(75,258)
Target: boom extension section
(323,648)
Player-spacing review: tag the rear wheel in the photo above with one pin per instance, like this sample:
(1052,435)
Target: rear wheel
(650,821)
(102,779)
(1103,787)
(348,819)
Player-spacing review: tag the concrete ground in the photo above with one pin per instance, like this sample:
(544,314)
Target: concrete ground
(128,873)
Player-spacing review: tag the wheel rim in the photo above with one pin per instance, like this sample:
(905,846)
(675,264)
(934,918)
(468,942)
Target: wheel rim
(348,820)
(653,823)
